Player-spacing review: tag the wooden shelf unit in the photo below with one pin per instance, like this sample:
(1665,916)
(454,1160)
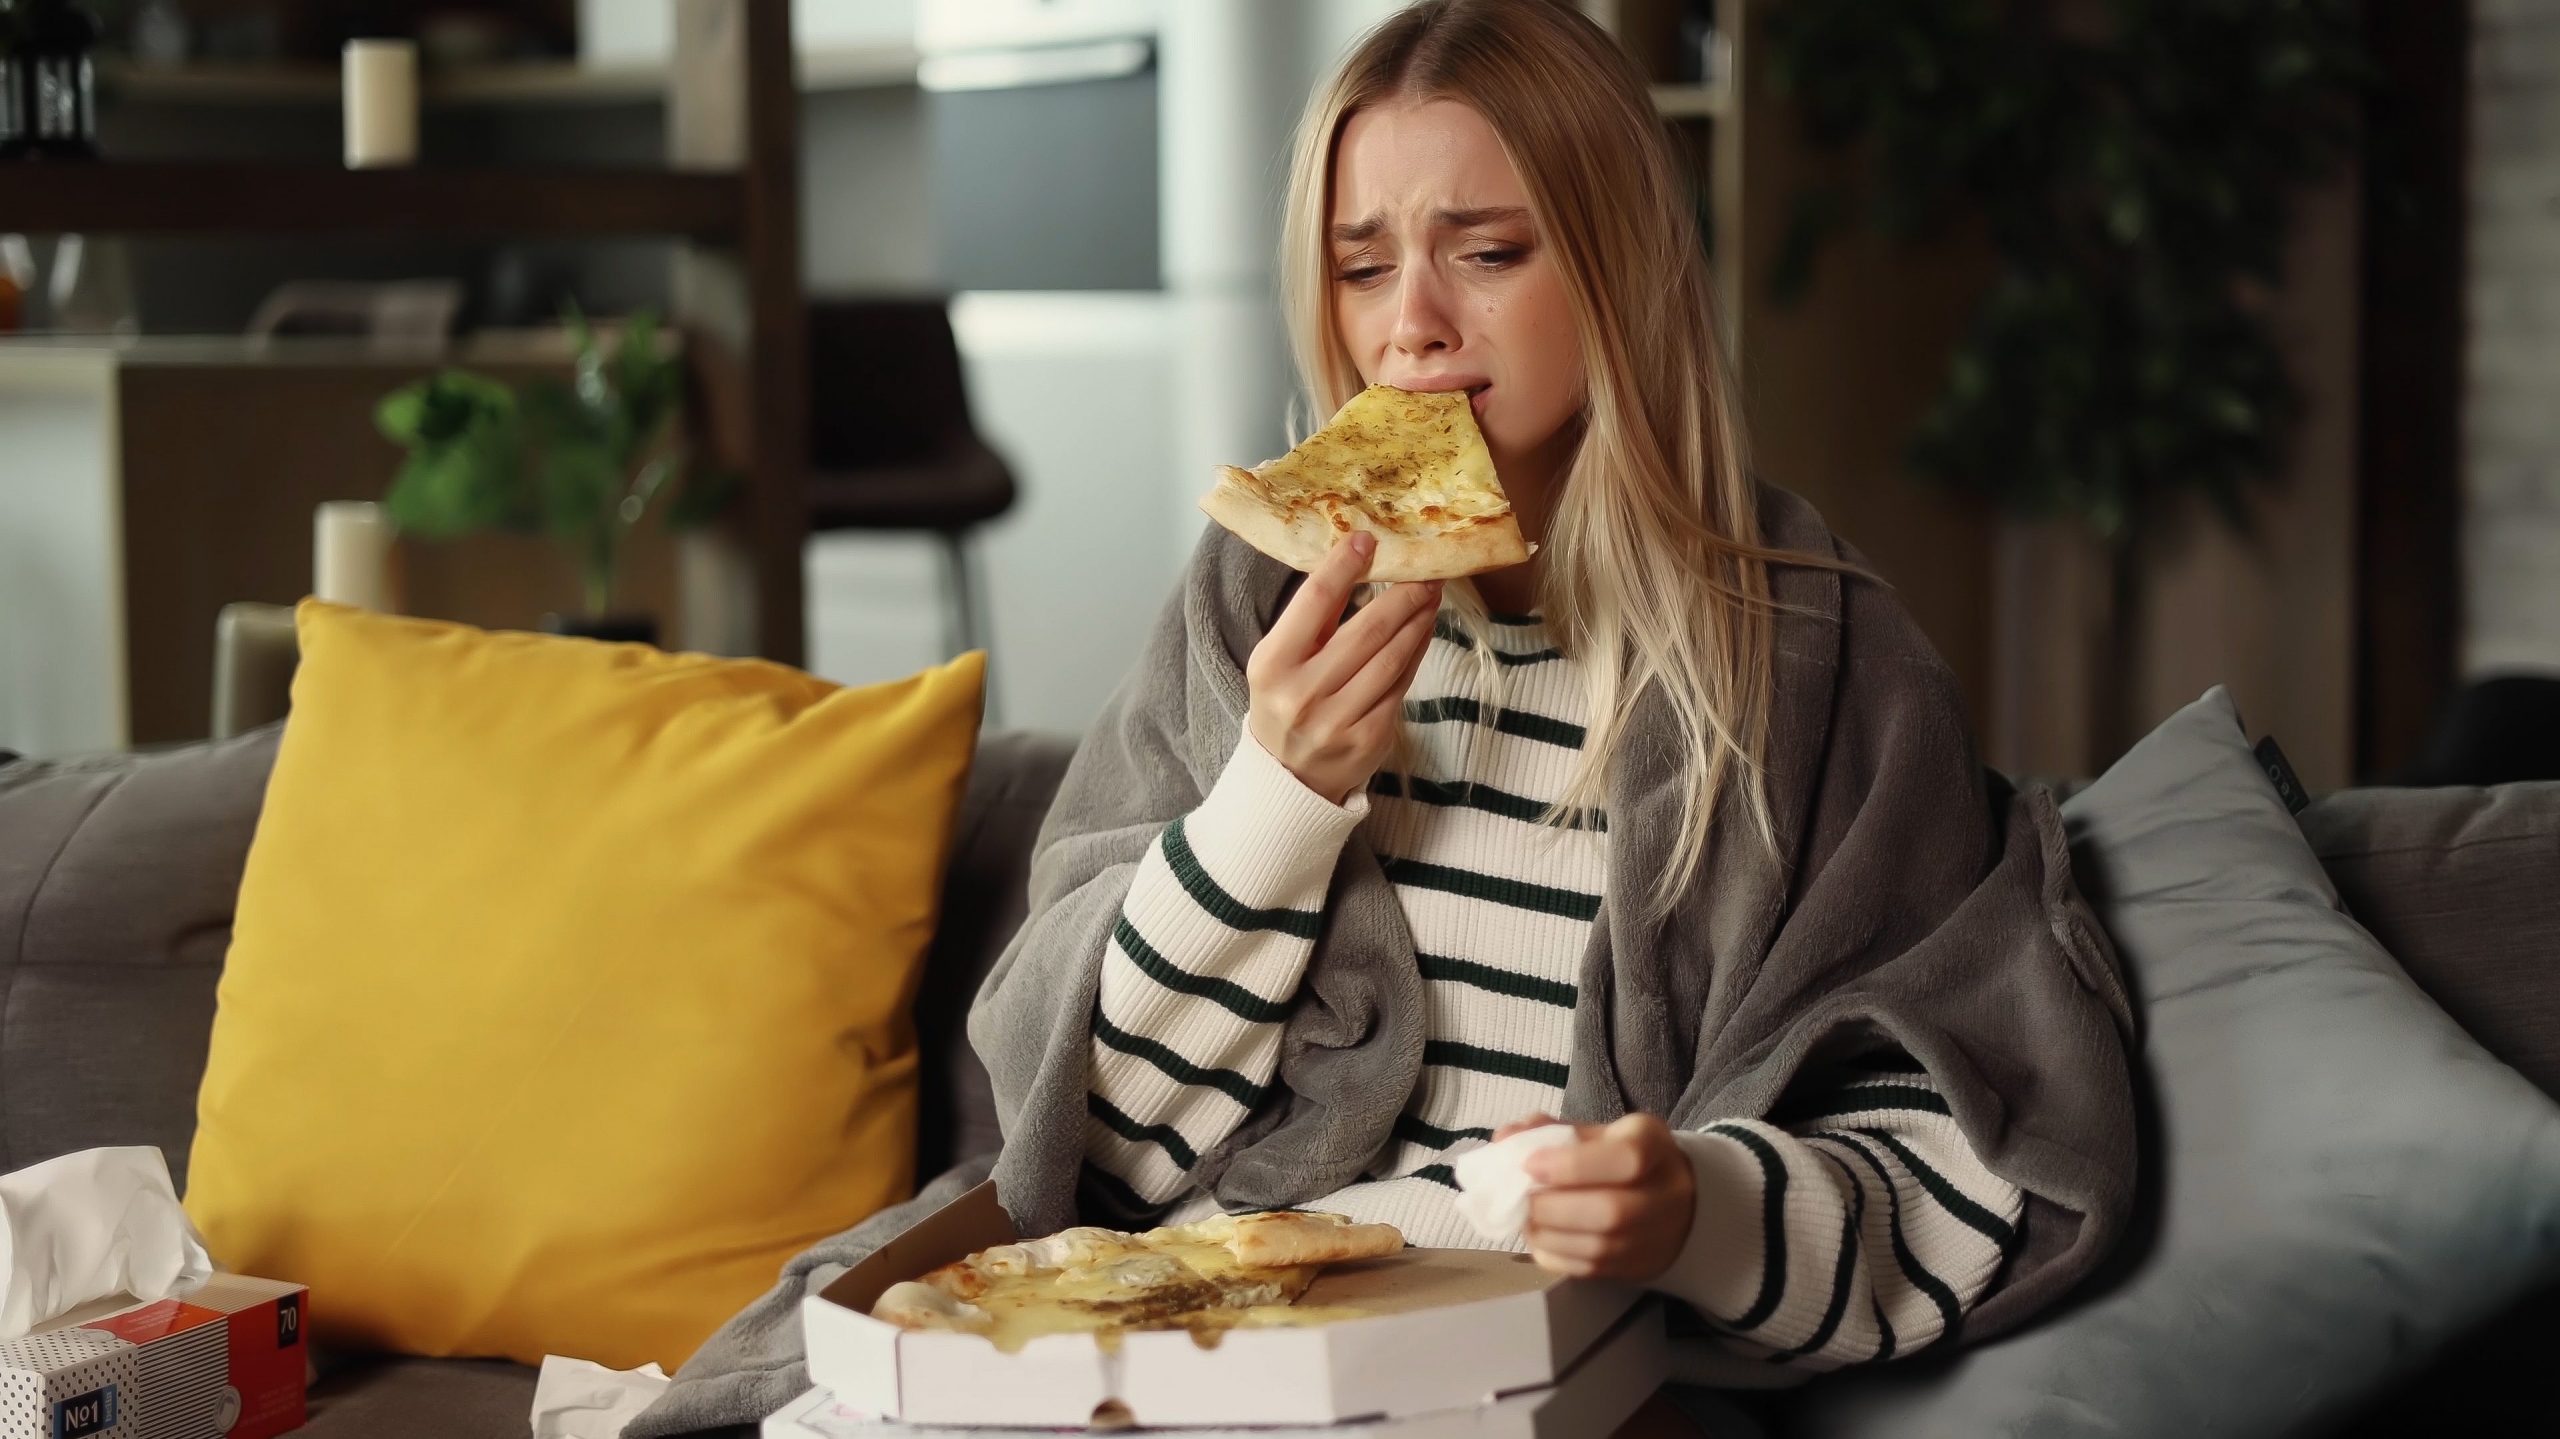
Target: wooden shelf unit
(211,198)
(729,196)
(520,83)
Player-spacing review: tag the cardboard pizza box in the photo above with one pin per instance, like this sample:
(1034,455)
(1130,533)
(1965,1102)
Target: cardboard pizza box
(1443,1329)
(225,1360)
(1601,1391)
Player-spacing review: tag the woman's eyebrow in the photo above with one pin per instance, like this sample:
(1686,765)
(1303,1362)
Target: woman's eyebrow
(1356,231)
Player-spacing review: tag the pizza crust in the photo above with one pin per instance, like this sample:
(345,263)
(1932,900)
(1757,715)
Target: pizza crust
(1270,1241)
(1301,538)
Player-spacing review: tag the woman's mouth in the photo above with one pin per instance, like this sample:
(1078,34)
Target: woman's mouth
(1476,398)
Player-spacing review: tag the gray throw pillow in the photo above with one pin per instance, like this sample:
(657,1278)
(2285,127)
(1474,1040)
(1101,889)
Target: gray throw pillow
(2338,1180)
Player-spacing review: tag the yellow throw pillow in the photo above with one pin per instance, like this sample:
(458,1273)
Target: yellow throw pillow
(569,990)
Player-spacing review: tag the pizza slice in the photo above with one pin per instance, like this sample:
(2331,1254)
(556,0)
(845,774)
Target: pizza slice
(1407,466)
(1222,1273)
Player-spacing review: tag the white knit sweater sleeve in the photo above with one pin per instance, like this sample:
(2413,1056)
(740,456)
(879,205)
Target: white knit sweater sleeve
(1863,1228)
(1212,941)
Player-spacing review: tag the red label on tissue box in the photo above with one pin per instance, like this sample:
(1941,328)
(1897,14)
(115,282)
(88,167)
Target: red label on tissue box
(154,1321)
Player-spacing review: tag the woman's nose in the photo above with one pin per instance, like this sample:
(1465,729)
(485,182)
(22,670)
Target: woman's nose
(1423,321)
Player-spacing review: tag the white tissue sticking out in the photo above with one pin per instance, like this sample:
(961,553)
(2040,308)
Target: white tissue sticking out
(574,1399)
(1493,1189)
(89,1225)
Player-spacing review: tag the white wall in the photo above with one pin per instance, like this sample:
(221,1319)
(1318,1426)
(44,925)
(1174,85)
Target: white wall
(639,31)
(866,213)
(61,590)
(2511,407)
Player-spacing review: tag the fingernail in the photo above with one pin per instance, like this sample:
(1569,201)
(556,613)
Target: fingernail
(1363,543)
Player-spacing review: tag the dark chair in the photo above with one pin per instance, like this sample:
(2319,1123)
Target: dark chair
(890,442)
(2494,730)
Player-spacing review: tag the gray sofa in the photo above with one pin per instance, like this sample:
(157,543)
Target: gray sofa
(117,878)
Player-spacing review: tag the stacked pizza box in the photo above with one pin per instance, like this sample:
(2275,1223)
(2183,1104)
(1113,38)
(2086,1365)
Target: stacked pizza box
(1430,1342)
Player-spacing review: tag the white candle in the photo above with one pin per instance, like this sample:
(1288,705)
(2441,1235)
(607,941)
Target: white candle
(351,555)
(381,100)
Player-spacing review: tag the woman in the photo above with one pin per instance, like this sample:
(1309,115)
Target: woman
(1674,830)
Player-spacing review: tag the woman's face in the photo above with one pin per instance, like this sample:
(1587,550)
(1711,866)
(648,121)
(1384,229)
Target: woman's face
(1439,279)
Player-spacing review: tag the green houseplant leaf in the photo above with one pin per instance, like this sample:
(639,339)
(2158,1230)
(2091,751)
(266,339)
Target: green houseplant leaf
(584,461)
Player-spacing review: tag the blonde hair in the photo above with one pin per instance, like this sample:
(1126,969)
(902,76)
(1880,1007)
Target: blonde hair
(1653,571)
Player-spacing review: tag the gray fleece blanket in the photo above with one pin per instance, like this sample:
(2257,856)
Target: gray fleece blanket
(1921,906)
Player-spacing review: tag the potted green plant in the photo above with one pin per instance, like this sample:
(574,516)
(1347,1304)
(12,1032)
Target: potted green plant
(2132,171)
(583,460)
(2134,167)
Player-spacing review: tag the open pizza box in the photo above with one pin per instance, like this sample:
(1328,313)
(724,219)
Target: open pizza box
(1602,1390)
(1441,1330)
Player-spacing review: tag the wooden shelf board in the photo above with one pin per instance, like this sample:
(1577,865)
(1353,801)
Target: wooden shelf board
(155,197)
(528,83)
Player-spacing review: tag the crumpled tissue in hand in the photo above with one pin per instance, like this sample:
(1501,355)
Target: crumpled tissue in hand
(1493,1190)
(89,1225)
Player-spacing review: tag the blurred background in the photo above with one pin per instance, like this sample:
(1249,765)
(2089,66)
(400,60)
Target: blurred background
(2141,346)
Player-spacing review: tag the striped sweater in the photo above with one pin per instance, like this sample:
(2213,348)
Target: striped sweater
(1853,1225)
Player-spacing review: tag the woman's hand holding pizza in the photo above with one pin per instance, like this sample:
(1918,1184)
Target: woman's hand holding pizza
(1617,1204)
(1326,694)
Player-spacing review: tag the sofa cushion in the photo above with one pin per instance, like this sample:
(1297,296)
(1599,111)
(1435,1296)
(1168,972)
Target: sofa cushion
(986,892)
(421,1399)
(117,876)
(2463,887)
(2337,1182)
(570,990)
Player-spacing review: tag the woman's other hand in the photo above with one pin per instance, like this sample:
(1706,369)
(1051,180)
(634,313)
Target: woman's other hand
(1617,1204)
(1326,694)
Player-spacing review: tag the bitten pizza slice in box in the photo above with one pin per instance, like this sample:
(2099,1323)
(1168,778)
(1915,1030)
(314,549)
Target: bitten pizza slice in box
(226,1360)
(949,1324)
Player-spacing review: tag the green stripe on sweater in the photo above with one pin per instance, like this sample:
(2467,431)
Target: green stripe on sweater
(1414,1130)
(1450,1054)
(1229,910)
(1137,1046)
(1163,1136)
(1861,1099)
(1773,1224)
(1951,1199)
(1511,722)
(1473,795)
(1843,1270)
(1234,998)
(1950,1313)
(1445,630)
(1499,981)
(1473,884)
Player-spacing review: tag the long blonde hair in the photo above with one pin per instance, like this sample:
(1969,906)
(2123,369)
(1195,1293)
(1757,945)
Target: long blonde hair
(1653,569)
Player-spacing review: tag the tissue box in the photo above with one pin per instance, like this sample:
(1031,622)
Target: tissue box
(1440,1330)
(225,1360)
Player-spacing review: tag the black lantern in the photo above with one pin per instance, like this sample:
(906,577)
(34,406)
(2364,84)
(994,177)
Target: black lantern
(54,38)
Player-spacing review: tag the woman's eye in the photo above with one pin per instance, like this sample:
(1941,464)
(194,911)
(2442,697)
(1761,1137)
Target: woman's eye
(1360,275)
(1493,259)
